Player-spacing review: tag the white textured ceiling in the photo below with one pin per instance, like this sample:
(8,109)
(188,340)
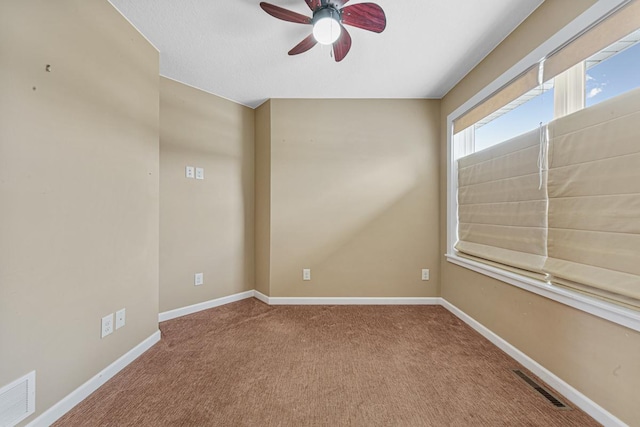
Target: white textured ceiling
(235,50)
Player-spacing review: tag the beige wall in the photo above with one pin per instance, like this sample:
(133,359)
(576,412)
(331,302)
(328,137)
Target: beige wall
(206,226)
(354,197)
(78,190)
(263,197)
(595,356)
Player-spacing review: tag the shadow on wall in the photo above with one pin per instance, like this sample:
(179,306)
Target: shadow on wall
(342,206)
(354,199)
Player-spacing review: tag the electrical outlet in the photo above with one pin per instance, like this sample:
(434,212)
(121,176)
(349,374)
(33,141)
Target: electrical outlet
(120,318)
(306,274)
(425,274)
(199,173)
(198,279)
(189,172)
(107,325)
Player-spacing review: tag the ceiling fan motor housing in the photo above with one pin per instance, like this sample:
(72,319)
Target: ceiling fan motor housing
(328,11)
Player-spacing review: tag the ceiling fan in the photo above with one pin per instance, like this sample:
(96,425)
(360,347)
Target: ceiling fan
(329,18)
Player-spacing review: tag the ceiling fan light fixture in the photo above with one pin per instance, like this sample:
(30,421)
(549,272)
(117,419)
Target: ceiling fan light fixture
(326,26)
(329,18)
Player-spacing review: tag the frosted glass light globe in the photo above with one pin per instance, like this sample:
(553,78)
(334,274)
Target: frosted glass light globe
(326,30)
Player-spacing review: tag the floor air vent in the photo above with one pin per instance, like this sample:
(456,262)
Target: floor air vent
(543,391)
(18,400)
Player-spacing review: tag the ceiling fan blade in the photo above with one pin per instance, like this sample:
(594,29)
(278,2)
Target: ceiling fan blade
(304,45)
(342,45)
(284,14)
(368,16)
(314,4)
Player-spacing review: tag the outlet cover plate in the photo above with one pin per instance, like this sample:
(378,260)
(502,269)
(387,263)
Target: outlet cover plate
(189,172)
(120,318)
(306,274)
(425,274)
(107,325)
(198,279)
(199,173)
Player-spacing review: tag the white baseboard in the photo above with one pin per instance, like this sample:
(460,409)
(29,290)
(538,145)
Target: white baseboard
(179,312)
(262,297)
(578,399)
(52,414)
(349,300)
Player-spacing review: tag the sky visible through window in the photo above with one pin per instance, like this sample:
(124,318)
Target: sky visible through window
(614,76)
(517,121)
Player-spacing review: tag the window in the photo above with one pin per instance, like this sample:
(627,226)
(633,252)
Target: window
(610,72)
(554,235)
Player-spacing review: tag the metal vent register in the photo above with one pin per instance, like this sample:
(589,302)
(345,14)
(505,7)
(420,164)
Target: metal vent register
(18,400)
(542,390)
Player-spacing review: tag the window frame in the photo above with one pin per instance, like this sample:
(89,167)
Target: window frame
(455,149)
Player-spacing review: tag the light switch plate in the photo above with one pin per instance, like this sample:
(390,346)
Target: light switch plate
(198,279)
(190,172)
(120,318)
(425,274)
(199,173)
(306,274)
(107,325)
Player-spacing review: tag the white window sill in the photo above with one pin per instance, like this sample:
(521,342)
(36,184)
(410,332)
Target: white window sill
(597,307)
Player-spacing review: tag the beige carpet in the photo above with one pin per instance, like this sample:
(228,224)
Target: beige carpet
(250,364)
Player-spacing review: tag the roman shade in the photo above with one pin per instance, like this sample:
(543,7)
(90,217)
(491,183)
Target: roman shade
(594,200)
(502,205)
